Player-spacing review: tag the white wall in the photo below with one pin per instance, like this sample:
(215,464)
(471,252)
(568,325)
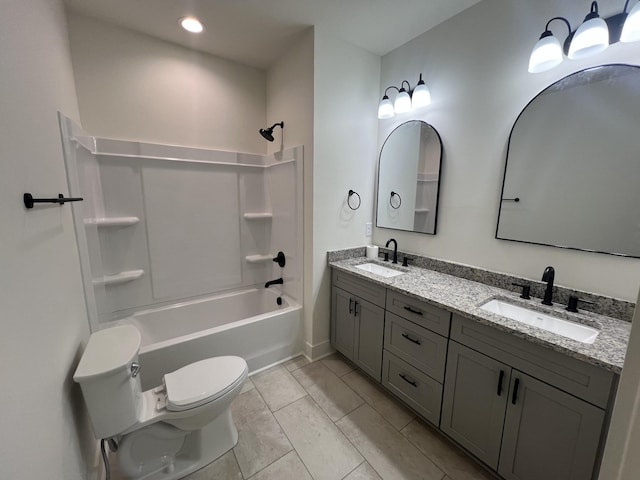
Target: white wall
(134,87)
(345,120)
(44,432)
(475,65)
(290,87)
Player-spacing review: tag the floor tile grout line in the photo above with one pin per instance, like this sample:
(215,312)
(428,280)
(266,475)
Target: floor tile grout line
(358,450)
(280,457)
(283,432)
(294,379)
(233,450)
(357,466)
(294,448)
(436,463)
(345,384)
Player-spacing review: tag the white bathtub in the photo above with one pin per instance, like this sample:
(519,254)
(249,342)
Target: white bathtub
(247,323)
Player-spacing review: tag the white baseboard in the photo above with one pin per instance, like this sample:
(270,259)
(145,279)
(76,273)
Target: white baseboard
(318,351)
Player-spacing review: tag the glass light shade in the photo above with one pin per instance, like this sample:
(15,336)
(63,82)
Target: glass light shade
(421,96)
(592,37)
(385,110)
(402,103)
(631,28)
(192,25)
(546,54)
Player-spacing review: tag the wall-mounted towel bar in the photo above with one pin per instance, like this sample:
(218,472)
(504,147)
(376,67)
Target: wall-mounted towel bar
(29,201)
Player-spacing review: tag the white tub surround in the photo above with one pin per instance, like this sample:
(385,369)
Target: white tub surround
(180,242)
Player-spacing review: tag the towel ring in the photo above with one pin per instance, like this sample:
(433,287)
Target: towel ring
(391,200)
(351,193)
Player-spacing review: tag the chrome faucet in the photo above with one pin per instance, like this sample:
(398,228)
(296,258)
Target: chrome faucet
(277,281)
(395,249)
(548,276)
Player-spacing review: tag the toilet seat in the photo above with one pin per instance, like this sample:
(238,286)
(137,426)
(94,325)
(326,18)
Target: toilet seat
(203,382)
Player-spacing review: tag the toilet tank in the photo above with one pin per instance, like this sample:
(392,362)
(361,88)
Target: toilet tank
(109,383)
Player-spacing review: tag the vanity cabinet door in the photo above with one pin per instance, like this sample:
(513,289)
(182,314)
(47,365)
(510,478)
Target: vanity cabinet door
(548,433)
(475,399)
(343,322)
(369,329)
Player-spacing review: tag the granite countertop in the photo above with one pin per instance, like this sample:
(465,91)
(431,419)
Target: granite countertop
(464,297)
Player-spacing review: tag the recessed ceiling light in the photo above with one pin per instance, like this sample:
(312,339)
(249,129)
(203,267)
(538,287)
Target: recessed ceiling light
(192,24)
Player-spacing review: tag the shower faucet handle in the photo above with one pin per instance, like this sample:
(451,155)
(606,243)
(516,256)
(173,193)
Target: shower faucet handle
(280,259)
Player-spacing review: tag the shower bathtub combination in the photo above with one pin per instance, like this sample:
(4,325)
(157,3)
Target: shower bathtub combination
(180,241)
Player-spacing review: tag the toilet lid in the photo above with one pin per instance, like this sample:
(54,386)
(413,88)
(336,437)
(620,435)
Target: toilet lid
(202,382)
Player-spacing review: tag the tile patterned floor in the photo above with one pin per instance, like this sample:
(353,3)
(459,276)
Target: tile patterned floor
(327,421)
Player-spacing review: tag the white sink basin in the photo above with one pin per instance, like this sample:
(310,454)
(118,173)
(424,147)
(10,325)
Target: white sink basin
(559,326)
(379,270)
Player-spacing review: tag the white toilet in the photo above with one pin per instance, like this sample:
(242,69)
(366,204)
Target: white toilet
(171,430)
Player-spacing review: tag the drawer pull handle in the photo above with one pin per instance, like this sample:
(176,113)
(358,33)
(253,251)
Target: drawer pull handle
(500,379)
(417,342)
(355,310)
(412,310)
(410,382)
(350,306)
(514,397)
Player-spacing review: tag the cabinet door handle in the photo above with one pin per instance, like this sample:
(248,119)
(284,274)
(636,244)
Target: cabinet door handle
(355,310)
(350,306)
(410,382)
(514,397)
(500,379)
(417,342)
(413,310)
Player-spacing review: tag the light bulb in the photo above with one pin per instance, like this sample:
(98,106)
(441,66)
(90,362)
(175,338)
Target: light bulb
(546,54)
(421,96)
(402,103)
(192,25)
(631,28)
(385,110)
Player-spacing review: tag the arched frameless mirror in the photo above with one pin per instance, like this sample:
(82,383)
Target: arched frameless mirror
(572,172)
(409,178)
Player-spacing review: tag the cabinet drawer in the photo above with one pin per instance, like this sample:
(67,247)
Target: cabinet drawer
(419,391)
(416,345)
(581,379)
(361,288)
(425,315)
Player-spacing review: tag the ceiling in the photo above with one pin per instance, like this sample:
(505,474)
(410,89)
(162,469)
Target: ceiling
(258,32)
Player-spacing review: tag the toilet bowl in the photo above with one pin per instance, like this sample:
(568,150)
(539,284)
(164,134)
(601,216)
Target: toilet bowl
(168,431)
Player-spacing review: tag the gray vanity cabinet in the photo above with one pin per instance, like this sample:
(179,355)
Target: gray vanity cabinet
(475,399)
(357,330)
(357,321)
(548,433)
(343,322)
(526,411)
(521,427)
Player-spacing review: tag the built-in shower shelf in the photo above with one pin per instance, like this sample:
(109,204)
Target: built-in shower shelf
(258,216)
(259,258)
(112,221)
(422,210)
(118,278)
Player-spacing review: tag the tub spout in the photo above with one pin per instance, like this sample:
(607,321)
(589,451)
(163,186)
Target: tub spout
(277,281)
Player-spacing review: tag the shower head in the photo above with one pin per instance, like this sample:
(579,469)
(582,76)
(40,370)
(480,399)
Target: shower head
(267,133)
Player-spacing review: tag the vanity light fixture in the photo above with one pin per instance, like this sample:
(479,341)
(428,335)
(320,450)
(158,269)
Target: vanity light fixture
(406,99)
(592,37)
(192,24)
